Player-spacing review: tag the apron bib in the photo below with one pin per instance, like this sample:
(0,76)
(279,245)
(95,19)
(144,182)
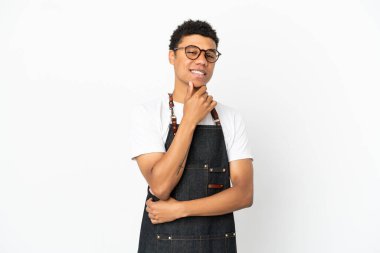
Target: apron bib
(206,173)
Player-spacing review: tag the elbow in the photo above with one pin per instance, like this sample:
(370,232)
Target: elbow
(160,192)
(244,198)
(162,196)
(159,188)
(248,200)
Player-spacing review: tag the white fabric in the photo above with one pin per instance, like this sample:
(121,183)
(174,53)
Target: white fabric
(150,126)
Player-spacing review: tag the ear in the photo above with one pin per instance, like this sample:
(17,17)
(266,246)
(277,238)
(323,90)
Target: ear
(171,57)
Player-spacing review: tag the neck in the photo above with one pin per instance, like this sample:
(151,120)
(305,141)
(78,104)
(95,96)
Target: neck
(179,93)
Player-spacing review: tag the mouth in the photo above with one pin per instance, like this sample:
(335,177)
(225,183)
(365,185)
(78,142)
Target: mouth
(198,73)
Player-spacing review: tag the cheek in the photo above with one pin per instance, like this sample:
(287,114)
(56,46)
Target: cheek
(182,66)
(211,71)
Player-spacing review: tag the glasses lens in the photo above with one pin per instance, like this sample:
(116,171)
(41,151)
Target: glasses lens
(192,52)
(211,55)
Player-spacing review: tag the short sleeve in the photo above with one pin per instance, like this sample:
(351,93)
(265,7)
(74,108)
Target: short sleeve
(144,134)
(240,148)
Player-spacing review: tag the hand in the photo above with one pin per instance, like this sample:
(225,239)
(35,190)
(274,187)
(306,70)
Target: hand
(163,210)
(197,104)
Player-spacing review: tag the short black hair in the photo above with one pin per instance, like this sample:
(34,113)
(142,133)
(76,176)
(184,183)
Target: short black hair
(190,27)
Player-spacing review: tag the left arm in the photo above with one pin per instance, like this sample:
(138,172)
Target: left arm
(239,196)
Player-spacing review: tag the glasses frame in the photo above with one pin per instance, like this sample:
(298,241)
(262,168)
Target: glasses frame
(218,54)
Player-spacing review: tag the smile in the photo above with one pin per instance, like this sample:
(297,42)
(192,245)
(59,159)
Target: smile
(198,72)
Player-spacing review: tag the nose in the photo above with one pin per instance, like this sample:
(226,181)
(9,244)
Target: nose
(201,59)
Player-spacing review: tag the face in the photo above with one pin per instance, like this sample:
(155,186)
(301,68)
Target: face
(199,71)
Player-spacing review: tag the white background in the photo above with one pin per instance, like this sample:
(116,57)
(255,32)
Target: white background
(304,74)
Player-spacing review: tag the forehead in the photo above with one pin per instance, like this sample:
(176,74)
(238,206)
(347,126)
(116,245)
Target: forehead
(197,40)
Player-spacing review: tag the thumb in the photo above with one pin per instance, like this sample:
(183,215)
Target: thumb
(190,89)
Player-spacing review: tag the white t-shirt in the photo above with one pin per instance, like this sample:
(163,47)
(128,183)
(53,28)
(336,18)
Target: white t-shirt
(150,127)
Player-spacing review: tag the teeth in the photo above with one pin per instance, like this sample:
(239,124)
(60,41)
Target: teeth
(197,72)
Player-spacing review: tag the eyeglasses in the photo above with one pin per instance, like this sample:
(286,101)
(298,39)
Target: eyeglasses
(193,52)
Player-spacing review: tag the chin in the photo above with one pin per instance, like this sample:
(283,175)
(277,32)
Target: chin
(198,84)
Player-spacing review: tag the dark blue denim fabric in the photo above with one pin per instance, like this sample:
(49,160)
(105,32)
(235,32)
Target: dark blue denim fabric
(207,163)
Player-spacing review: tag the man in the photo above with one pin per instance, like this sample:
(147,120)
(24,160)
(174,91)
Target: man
(189,166)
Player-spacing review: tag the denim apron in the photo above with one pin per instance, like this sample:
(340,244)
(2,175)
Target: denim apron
(206,173)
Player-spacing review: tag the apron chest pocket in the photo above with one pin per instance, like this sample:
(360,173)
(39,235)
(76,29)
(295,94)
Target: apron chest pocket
(218,180)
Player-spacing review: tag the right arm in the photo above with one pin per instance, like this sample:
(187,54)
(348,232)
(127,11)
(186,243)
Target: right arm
(162,171)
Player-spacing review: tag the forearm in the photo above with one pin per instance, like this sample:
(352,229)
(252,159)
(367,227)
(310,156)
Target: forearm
(168,170)
(224,202)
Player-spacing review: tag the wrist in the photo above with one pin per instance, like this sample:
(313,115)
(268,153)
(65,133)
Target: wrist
(188,123)
(183,210)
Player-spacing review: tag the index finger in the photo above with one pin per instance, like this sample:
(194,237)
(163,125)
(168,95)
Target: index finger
(148,202)
(201,91)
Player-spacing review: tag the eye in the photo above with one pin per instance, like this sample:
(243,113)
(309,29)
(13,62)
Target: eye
(211,56)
